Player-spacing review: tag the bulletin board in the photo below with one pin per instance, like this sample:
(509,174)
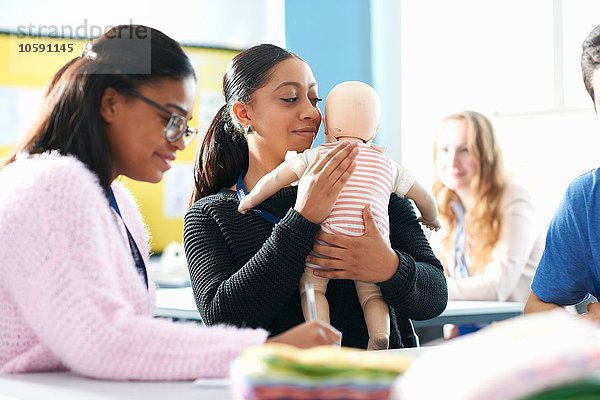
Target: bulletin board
(23,76)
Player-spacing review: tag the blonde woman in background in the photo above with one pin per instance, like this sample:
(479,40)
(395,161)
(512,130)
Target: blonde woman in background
(489,244)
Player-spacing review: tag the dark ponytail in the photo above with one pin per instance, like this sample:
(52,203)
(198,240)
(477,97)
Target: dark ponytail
(223,154)
(221,157)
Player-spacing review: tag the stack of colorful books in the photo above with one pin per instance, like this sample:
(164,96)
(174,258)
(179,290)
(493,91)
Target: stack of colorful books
(276,371)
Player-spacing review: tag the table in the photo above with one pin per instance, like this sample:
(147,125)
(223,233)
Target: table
(66,386)
(472,312)
(176,303)
(180,304)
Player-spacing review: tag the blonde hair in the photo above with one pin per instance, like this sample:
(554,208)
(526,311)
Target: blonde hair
(482,223)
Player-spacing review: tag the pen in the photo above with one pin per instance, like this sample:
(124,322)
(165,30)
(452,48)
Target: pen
(310,297)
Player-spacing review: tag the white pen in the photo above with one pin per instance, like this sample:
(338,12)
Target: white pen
(310,297)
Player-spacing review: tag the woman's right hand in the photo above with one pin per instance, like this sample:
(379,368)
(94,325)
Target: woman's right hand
(309,334)
(322,183)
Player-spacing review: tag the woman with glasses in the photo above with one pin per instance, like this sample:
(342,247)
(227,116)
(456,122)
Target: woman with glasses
(74,291)
(246,268)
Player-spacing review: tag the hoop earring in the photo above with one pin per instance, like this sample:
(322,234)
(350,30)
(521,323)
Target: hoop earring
(249,130)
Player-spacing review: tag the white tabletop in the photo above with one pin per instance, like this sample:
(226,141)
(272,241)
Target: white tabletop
(179,303)
(66,386)
(471,312)
(176,303)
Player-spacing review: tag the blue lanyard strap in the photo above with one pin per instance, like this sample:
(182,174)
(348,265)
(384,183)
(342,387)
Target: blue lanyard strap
(461,270)
(135,251)
(241,193)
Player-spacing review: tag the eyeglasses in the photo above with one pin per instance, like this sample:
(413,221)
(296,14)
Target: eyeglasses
(176,127)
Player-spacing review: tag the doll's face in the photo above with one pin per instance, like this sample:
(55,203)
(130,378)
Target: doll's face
(455,166)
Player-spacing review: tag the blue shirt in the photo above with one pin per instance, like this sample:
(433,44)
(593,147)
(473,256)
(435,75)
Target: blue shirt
(570,266)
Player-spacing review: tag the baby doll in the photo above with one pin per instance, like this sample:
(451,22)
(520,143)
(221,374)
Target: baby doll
(352,112)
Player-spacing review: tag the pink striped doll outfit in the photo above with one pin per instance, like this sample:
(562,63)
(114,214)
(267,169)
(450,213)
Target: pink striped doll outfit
(376,176)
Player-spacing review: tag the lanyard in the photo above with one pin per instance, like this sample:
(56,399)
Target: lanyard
(135,252)
(461,270)
(241,193)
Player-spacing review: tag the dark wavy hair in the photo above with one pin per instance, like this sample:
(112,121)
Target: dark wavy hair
(224,150)
(124,58)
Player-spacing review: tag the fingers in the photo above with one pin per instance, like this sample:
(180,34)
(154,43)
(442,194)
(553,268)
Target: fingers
(343,174)
(368,219)
(318,188)
(245,204)
(309,334)
(593,308)
(432,225)
(333,240)
(593,312)
(367,213)
(329,263)
(320,163)
(338,167)
(325,333)
(328,251)
(593,317)
(332,274)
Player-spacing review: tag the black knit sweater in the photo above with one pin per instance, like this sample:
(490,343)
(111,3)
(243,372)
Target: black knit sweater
(245,271)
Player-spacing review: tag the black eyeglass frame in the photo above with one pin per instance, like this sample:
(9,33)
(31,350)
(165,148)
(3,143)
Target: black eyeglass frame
(176,121)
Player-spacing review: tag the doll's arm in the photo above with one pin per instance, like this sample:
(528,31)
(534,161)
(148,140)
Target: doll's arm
(405,185)
(280,177)
(426,204)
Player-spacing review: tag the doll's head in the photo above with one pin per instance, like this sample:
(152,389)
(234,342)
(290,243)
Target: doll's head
(352,110)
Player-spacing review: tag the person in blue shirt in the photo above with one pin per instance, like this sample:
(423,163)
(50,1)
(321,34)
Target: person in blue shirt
(569,271)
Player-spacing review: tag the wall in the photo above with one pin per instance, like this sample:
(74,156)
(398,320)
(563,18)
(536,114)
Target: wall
(233,23)
(198,22)
(334,37)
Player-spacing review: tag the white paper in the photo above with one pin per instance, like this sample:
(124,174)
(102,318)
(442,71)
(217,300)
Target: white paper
(179,181)
(216,382)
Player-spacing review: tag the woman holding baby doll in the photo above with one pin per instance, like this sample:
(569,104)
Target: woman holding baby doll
(245,268)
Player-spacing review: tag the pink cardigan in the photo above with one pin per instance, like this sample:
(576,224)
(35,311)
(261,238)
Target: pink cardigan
(70,295)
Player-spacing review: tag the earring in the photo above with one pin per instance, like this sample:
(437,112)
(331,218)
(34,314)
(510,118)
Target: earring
(249,130)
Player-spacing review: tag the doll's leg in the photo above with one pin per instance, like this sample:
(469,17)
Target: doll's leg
(320,286)
(376,313)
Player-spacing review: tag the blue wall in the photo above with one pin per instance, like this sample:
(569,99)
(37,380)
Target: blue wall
(338,49)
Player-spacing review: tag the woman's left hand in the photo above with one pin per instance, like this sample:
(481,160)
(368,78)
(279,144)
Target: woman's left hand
(366,258)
